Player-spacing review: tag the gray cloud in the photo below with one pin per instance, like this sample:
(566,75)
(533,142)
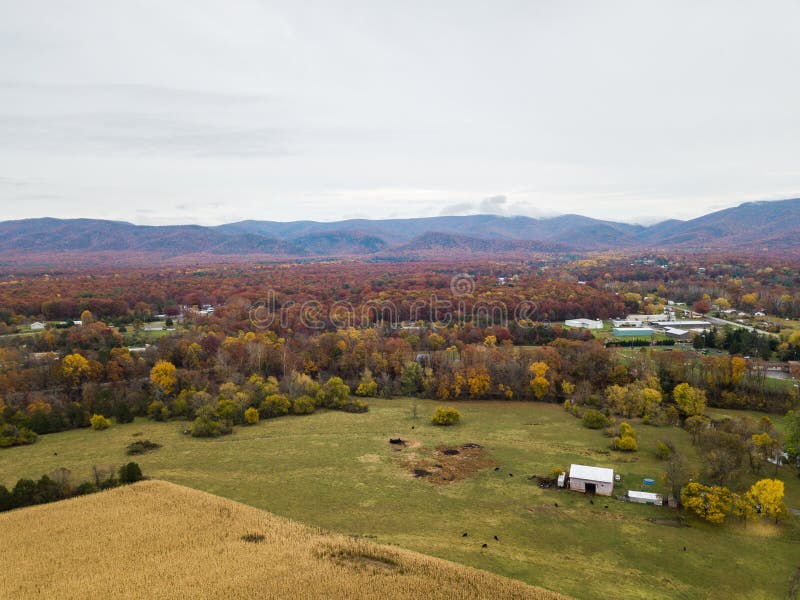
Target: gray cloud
(349,108)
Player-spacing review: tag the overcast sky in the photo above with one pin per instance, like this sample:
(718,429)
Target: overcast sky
(210,111)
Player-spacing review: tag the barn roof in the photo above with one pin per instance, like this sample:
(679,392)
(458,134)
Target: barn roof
(600,474)
(644,495)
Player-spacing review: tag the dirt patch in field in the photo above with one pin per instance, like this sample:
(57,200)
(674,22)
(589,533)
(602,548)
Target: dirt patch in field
(450,463)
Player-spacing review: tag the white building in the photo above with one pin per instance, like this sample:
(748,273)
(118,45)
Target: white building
(644,497)
(37,326)
(648,318)
(686,324)
(676,332)
(584,323)
(591,480)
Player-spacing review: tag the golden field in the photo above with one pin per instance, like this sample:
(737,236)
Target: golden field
(159,540)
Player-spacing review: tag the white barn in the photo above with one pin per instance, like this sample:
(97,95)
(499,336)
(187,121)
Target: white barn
(591,480)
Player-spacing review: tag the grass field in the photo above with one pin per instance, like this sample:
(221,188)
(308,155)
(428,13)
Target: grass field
(338,471)
(158,540)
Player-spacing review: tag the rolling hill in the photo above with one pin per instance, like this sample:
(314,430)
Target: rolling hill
(158,540)
(754,226)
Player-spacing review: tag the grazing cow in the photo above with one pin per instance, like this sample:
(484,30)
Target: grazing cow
(465,534)
(497,539)
(485,546)
(555,504)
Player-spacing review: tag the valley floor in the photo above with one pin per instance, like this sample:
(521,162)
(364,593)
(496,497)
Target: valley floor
(338,471)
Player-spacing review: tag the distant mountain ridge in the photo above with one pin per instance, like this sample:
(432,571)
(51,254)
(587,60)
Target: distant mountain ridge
(753,225)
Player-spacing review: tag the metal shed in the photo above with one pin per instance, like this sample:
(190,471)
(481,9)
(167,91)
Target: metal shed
(645,497)
(591,480)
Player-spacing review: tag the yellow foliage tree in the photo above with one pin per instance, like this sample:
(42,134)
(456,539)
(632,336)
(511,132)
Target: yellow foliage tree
(691,400)
(478,382)
(738,369)
(710,503)
(540,386)
(163,376)
(539,368)
(74,368)
(768,494)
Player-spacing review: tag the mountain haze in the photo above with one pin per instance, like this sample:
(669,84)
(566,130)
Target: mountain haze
(773,225)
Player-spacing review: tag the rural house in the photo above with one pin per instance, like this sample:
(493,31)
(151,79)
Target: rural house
(591,480)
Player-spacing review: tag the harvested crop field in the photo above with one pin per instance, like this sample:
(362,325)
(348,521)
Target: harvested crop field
(159,540)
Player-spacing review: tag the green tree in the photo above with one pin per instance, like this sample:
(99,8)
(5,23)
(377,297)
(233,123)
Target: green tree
(411,378)
(130,473)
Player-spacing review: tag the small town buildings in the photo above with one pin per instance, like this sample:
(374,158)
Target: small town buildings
(625,323)
(591,480)
(632,332)
(648,318)
(675,332)
(645,497)
(37,326)
(584,323)
(686,324)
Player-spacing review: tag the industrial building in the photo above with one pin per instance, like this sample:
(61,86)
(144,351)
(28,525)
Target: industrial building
(584,323)
(632,332)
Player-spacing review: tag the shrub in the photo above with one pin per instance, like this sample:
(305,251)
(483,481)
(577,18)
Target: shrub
(99,422)
(367,388)
(87,487)
(625,430)
(626,443)
(334,394)
(594,419)
(130,473)
(663,451)
(275,405)
(208,424)
(304,405)
(157,411)
(251,416)
(15,436)
(123,413)
(445,416)
(355,406)
(141,446)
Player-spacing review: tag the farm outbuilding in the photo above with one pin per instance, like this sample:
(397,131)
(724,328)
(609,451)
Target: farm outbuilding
(591,480)
(645,497)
